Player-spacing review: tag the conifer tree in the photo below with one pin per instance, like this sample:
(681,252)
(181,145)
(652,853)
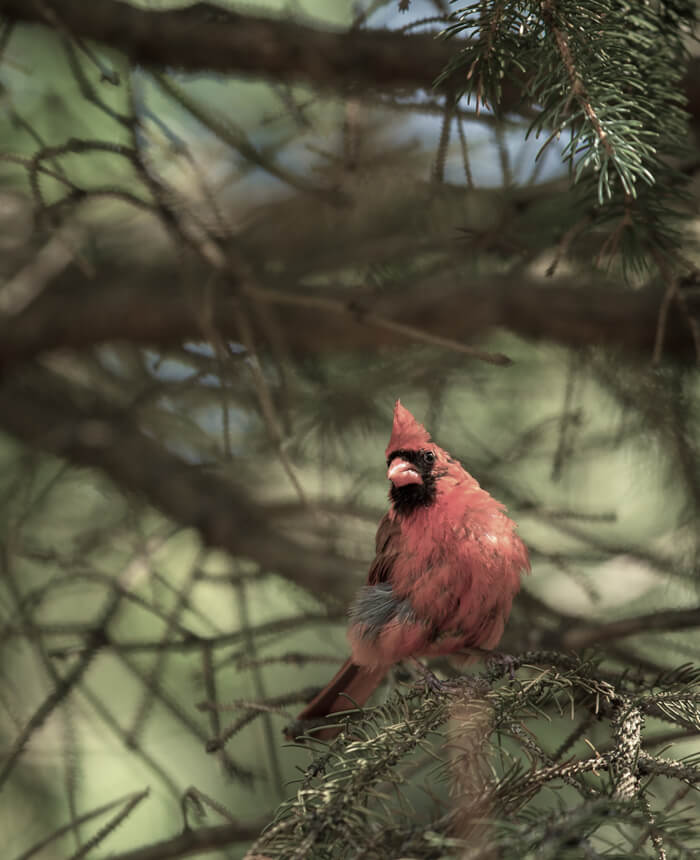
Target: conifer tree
(230,240)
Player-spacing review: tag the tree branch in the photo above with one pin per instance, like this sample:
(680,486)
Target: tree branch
(39,408)
(203,37)
(206,37)
(654,622)
(190,842)
(147,306)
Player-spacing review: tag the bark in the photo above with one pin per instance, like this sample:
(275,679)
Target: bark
(148,307)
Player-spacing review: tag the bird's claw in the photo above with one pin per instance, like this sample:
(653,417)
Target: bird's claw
(430,680)
(433,683)
(505,662)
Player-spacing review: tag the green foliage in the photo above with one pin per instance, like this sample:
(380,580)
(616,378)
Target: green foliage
(265,269)
(479,750)
(605,75)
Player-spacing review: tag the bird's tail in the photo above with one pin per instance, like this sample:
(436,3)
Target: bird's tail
(350,687)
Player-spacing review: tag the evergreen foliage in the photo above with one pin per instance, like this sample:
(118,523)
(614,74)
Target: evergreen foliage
(604,75)
(480,750)
(212,290)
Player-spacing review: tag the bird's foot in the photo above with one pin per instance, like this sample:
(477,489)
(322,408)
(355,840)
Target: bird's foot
(430,679)
(506,663)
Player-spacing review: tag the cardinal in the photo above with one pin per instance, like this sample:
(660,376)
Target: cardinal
(447,567)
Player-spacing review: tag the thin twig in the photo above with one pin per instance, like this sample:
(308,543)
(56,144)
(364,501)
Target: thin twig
(367,317)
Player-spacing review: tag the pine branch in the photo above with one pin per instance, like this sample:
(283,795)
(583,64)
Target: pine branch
(146,307)
(609,79)
(205,37)
(39,408)
(341,807)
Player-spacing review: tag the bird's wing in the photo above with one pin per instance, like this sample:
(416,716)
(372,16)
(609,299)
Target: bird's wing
(387,548)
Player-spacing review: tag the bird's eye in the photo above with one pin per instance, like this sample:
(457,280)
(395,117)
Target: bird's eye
(429,457)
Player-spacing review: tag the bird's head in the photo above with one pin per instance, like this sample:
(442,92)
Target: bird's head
(413,462)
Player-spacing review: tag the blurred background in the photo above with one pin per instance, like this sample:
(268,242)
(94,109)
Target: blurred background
(214,284)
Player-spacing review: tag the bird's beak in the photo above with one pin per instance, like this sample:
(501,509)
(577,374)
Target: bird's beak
(401,473)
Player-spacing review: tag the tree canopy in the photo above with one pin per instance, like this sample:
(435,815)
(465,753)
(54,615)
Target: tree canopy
(232,236)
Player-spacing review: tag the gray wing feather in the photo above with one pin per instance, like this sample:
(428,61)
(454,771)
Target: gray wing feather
(377,605)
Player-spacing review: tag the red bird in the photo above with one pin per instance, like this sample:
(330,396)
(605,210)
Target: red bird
(448,565)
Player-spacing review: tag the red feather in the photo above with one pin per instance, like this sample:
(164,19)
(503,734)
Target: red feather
(406,433)
(447,568)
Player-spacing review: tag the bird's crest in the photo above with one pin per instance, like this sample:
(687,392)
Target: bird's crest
(406,433)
